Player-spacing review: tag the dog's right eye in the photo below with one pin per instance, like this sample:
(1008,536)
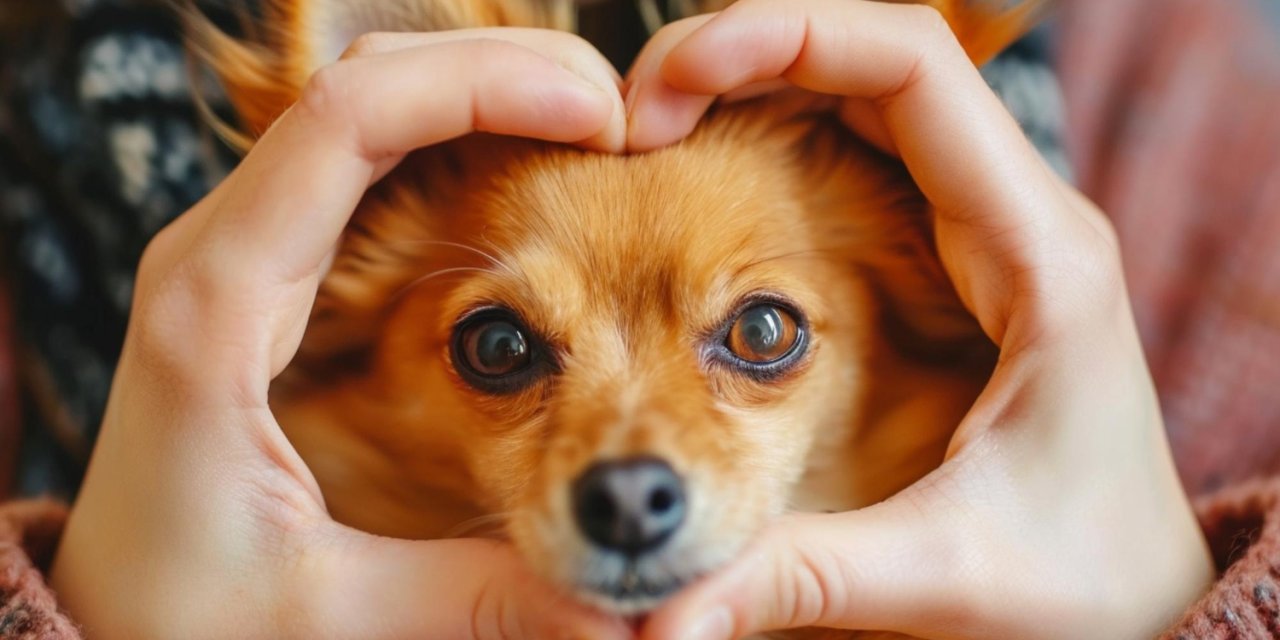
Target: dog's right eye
(492,351)
(496,349)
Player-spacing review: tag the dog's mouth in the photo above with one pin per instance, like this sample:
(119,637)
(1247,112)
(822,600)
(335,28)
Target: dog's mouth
(631,591)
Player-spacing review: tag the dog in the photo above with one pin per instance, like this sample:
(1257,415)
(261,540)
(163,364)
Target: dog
(626,365)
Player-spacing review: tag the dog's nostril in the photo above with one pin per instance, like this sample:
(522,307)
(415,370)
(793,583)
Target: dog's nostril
(660,500)
(631,506)
(600,505)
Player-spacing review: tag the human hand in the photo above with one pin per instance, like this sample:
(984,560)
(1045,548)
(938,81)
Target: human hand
(197,518)
(1057,512)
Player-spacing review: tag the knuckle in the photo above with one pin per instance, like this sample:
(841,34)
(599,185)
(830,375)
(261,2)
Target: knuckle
(679,30)
(1077,294)
(1096,267)
(325,96)
(159,336)
(576,43)
(178,299)
(169,294)
(752,5)
(937,37)
(935,42)
(1107,229)
(494,50)
(367,44)
(155,258)
(674,30)
(927,20)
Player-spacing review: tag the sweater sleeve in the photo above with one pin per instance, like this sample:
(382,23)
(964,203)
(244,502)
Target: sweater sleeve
(1242,524)
(29,532)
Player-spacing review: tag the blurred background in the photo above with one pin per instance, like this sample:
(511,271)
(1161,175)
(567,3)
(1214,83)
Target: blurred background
(1166,112)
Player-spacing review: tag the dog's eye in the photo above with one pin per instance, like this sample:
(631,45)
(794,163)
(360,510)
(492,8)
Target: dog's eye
(495,352)
(495,348)
(763,333)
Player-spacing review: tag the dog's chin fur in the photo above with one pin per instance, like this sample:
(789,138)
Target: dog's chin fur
(625,268)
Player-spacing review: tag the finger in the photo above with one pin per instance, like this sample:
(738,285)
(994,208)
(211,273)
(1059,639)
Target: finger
(863,117)
(755,90)
(447,589)
(295,191)
(658,115)
(880,568)
(966,153)
(565,49)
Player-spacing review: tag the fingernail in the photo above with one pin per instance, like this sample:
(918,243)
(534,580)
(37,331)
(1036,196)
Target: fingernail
(630,101)
(717,625)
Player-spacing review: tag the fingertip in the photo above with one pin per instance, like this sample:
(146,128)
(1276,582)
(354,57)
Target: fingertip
(592,625)
(711,609)
(736,47)
(612,138)
(606,628)
(865,119)
(716,624)
(660,116)
(565,109)
(573,620)
(689,68)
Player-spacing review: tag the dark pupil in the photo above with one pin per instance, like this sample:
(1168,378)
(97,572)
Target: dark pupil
(762,329)
(500,348)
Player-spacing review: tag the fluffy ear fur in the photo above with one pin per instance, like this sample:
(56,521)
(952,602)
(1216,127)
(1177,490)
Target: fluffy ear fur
(285,41)
(984,27)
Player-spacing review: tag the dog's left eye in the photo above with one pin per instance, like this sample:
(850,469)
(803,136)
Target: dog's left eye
(763,333)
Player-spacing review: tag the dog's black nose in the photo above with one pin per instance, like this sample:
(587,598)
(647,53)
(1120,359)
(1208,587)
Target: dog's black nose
(631,506)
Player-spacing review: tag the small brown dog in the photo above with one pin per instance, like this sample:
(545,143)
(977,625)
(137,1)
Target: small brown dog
(629,363)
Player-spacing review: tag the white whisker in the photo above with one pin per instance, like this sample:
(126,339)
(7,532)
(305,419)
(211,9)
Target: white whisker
(417,281)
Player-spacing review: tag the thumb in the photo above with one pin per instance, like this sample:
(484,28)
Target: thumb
(456,589)
(878,568)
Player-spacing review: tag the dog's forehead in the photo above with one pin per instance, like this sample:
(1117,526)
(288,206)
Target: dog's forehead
(677,234)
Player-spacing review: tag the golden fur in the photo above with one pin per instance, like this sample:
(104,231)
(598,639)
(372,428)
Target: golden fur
(624,265)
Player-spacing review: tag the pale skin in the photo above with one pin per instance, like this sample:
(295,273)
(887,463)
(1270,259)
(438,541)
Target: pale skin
(1057,513)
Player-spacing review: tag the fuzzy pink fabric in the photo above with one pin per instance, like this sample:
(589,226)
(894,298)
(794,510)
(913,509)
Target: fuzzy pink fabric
(1242,524)
(29,532)
(1172,125)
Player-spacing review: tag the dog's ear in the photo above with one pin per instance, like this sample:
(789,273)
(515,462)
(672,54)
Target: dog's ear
(987,27)
(282,42)
(984,27)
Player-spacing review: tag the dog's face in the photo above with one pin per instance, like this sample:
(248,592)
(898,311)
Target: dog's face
(629,356)
(631,361)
